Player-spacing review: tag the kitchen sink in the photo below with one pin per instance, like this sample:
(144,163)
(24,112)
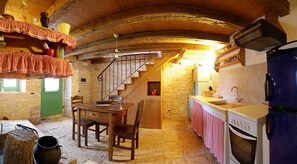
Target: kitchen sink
(227,104)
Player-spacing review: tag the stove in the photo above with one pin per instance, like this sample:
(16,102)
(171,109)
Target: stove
(245,133)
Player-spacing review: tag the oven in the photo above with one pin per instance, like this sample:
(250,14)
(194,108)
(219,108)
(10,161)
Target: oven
(245,136)
(242,146)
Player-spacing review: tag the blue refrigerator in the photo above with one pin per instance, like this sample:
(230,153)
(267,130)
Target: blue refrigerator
(281,92)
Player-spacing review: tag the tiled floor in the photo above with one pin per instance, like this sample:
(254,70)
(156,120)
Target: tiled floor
(174,143)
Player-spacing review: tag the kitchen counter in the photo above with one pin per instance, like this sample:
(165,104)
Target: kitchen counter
(221,105)
(252,112)
(207,112)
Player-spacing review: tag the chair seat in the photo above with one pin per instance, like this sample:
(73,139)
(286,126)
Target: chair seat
(124,130)
(102,123)
(86,122)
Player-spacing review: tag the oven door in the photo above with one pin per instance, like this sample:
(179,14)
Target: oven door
(242,146)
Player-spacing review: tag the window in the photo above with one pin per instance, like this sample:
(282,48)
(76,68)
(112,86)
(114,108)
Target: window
(51,85)
(9,85)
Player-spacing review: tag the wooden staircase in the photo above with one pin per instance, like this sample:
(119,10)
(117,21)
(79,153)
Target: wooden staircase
(144,74)
(135,78)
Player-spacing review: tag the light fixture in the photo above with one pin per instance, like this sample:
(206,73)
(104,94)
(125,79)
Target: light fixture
(116,38)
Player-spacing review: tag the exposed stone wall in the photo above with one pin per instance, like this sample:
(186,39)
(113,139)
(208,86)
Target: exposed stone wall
(82,70)
(22,105)
(97,69)
(177,86)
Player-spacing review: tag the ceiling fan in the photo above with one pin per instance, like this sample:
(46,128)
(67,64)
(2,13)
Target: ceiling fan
(116,53)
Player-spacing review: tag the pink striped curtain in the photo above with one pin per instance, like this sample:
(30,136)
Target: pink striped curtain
(213,135)
(197,118)
(24,65)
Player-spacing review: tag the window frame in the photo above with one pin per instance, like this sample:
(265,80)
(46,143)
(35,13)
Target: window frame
(16,88)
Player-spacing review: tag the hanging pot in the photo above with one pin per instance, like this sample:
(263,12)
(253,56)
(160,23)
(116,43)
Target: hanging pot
(47,150)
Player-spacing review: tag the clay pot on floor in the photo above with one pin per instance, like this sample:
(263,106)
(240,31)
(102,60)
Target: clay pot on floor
(47,150)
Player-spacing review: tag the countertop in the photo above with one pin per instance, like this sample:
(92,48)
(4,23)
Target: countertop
(207,100)
(251,111)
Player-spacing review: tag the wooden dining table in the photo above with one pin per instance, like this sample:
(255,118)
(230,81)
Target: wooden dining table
(105,113)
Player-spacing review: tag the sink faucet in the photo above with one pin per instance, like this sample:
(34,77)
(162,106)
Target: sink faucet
(237,99)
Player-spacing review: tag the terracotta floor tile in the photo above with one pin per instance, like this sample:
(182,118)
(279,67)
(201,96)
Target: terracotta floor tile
(175,143)
(201,159)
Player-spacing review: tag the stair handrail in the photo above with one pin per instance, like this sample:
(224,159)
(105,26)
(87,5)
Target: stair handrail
(122,82)
(98,77)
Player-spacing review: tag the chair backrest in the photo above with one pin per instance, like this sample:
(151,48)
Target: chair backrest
(75,100)
(138,114)
(116,98)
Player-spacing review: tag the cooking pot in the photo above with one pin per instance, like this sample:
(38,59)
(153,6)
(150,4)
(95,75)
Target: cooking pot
(47,150)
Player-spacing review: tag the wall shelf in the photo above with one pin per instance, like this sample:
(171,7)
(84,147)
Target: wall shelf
(22,56)
(224,59)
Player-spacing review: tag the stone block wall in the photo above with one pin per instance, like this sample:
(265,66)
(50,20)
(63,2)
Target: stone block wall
(97,69)
(82,70)
(177,86)
(22,105)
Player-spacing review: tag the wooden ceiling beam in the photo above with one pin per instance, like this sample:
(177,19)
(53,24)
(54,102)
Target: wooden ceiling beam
(109,59)
(143,48)
(60,8)
(102,60)
(162,13)
(180,56)
(149,38)
(281,7)
(2,6)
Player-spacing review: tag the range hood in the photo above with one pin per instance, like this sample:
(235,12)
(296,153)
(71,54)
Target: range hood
(259,36)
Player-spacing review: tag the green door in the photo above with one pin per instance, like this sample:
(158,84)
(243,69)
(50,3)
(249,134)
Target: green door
(51,97)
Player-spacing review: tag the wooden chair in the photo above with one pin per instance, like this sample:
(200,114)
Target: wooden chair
(115,99)
(85,123)
(128,131)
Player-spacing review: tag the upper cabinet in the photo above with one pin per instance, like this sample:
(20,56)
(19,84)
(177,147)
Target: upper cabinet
(23,55)
(229,55)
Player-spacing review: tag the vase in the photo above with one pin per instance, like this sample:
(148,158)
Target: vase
(154,92)
(47,150)
(64,28)
(44,19)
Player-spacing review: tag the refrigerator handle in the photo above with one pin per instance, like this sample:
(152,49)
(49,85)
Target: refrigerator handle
(269,125)
(268,88)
